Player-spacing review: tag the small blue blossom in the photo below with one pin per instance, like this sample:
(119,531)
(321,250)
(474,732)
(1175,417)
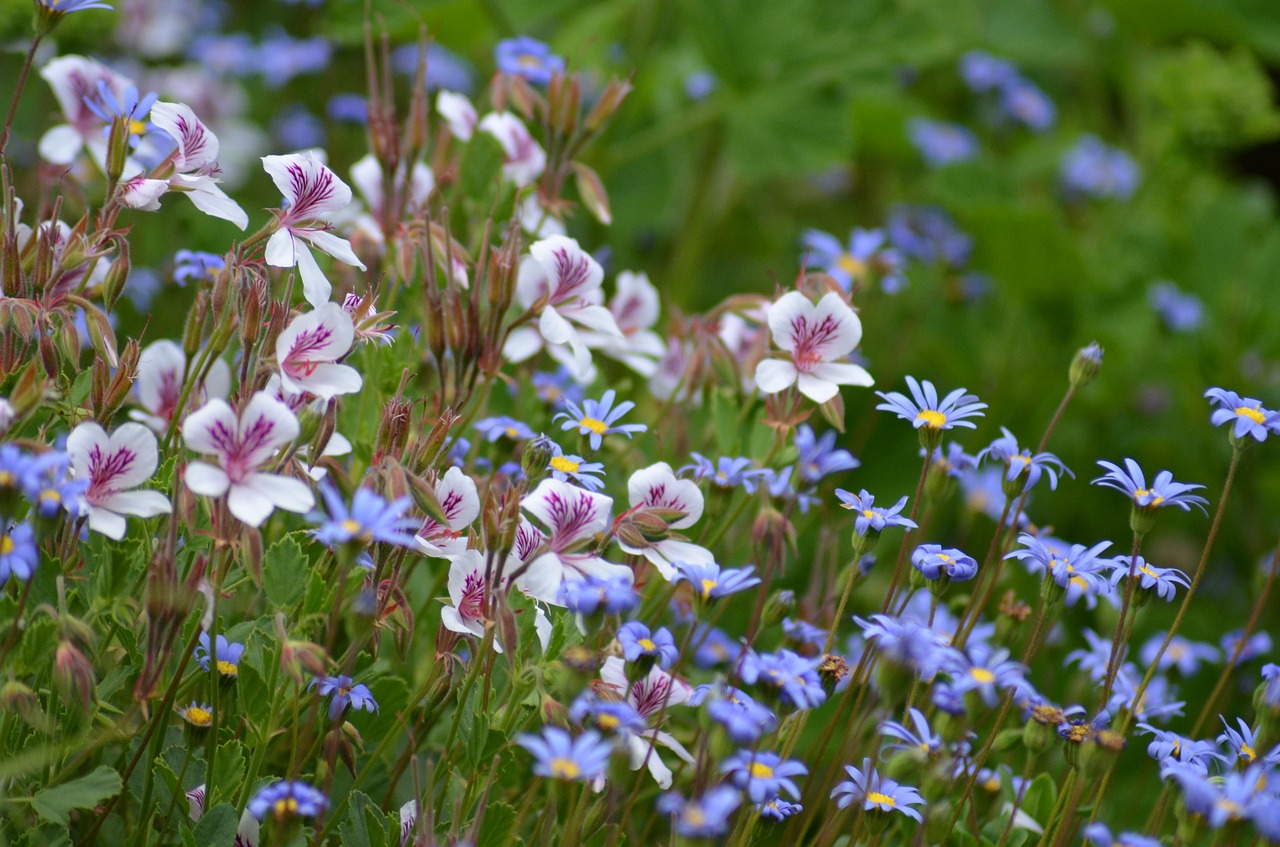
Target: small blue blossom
(598,418)
(348,108)
(778,810)
(928,234)
(1242,743)
(279,58)
(713,646)
(1181,311)
(791,675)
(1246,415)
(13,467)
(66,7)
(1021,464)
(984,670)
(1092,169)
(872,518)
(920,738)
(289,798)
(637,641)
(1182,653)
(369,518)
(1258,644)
(191,265)
(1099,834)
(942,143)
(925,411)
(935,562)
(344,691)
(711,581)
(47,483)
(1271,685)
(903,641)
(558,755)
(609,595)
(704,817)
(699,85)
(1042,555)
(225,655)
(867,252)
(1163,582)
(1023,102)
(131,106)
(445,69)
(1163,491)
(726,472)
(499,427)
(763,775)
(876,793)
(569,468)
(819,457)
(983,72)
(744,720)
(609,716)
(804,633)
(955,463)
(528,58)
(18,554)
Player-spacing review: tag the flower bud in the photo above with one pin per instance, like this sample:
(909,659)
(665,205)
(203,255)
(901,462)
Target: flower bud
(193,331)
(117,148)
(1085,366)
(73,674)
(537,456)
(779,605)
(117,275)
(1099,753)
(1041,730)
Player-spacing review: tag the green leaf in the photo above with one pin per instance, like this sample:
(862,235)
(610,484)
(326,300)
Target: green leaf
(1040,798)
(498,819)
(361,829)
(56,804)
(284,572)
(218,826)
(228,766)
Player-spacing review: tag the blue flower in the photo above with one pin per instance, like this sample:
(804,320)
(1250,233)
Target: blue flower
(710,581)
(195,265)
(928,234)
(726,472)
(763,775)
(1023,466)
(349,108)
(983,670)
(18,554)
(704,817)
(286,799)
(921,738)
(47,483)
(225,655)
(610,595)
(1243,744)
(1183,654)
(1247,416)
(1157,701)
(344,692)
(778,809)
(370,518)
(1271,685)
(934,562)
(804,633)
(1258,643)
(66,7)
(638,641)
(558,755)
(1044,555)
(1163,582)
(866,253)
(876,793)
(1231,799)
(131,106)
(445,69)
(902,641)
(942,143)
(819,457)
(699,85)
(13,467)
(1163,491)
(565,467)
(1180,311)
(1093,169)
(1023,102)
(528,58)
(744,720)
(1098,833)
(598,418)
(983,72)
(609,716)
(794,677)
(494,428)
(925,411)
(713,647)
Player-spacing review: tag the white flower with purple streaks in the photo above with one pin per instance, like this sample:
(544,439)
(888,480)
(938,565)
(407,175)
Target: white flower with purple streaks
(467,615)
(314,194)
(817,337)
(158,388)
(658,487)
(194,165)
(573,517)
(458,113)
(562,283)
(75,80)
(523,157)
(243,444)
(309,348)
(115,465)
(651,696)
(635,309)
(459,505)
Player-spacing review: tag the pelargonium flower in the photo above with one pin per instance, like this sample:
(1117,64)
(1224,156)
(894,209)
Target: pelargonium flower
(314,194)
(877,794)
(459,502)
(635,308)
(650,695)
(656,490)
(370,518)
(286,799)
(573,518)
(763,775)
(935,562)
(866,252)
(942,143)
(703,817)
(458,113)
(638,642)
(528,58)
(222,654)
(243,443)
(817,337)
(343,691)
(411,186)
(871,518)
(710,581)
(115,465)
(1246,415)
(19,556)
(598,418)
(1022,468)
(158,388)
(927,413)
(76,81)
(523,159)
(308,350)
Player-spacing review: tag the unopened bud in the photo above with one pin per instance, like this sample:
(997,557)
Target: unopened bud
(193,331)
(117,275)
(117,148)
(73,674)
(535,463)
(779,605)
(610,100)
(1085,366)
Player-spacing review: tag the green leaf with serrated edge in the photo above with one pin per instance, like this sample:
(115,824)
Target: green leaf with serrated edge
(56,804)
(217,828)
(284,572)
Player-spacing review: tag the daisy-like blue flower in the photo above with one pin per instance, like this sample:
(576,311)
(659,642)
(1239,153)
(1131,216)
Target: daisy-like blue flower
(1063,564)
(608,595)
(18,554)
(131,106)
(225,655)
(711,581)
(744,720)
(13,467)
(902,641)
(1157,701)
(942,143)
(637,642)
(819,457)
(1230,799)
(934,562)
(929,415)
(920,738)
(528,58)
(804,633)
(1166,747)
(778,810)
(877,794)
(608,716)
(871,519)
(1180,311)
(1098,833)
(598,418)
(499,427)
(48,484)
(568,468)
(763,775)
(984,670)
(1246,415)
(1162,582)
(344,691)
(1092,169)
(1023,102)
(789,674)
(1271,685)
(369,518)
(1258,643)
(954,463)
(558,755)
(983,72)
(704,817)
(195,265)
(726,472)
(1182,653)
(1022,468)
(928,234)
(1162,492)
(1243,744)
(867,252)
(714,647)
(288,798)
(69,6)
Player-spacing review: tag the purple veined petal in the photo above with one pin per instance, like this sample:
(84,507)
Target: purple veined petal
(265,426)
(459,498)
(571,272)
(570,513)
(657,485)
(313,191)
(197,145)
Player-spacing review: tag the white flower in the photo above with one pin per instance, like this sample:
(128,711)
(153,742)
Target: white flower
(115,465)
(242,444)
(635,310)
(460,505)
(413,193)
(573,518)
(75,79)
(657,486)
(458,113)
(314,194)
(161,370)
(524,158)
(309,348)
(194,163)
(651,696)
(467,615)
(816,337)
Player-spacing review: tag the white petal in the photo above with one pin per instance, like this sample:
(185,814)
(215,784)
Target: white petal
(197,146)
(785,314)
(107,523)
(282,250)
(211,429)
(292,495)
(774,375)
(206,480)
(248,505)
(554,327)
(60,145)
(571,513)
(205,195)
(459,498)
(266,425)
(85,441)
(523,343)
(843,374)
(327,242)
(304,177)
(136,455)
(458,113)
(816,389)
(315,285)
(142,504)
(847,326)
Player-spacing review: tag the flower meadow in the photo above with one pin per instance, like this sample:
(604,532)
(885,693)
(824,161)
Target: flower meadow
(359,486)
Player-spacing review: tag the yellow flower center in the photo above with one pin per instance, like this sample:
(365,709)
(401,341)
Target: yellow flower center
(198,716)
(1177,651)
(694,817)
(228,669)
(1254,414)
(607,721)
(560,463)
(6,545)
(868,514)
(512,432)
(881,799)
(562,768)
(50,495)
(708,585)
(528,60)
(982,675)
(1231,807)
(1078,582)
(6,479)
(286,806)
(932,418)
(1143,492)
(137,127)
(647,644)
(759,770)
(594,424)
(944,558)
(851,265)
(352,526)
(1145,570)
(1246,753)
